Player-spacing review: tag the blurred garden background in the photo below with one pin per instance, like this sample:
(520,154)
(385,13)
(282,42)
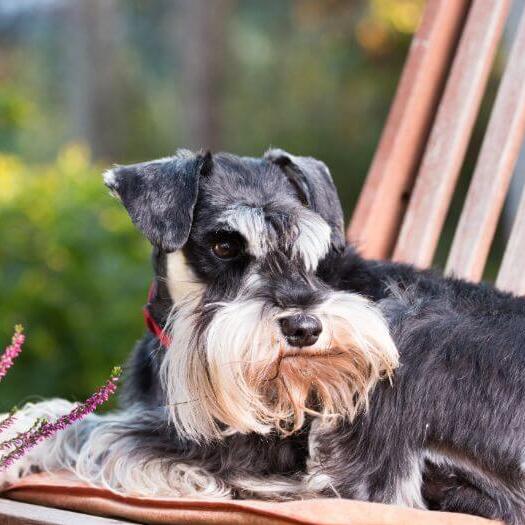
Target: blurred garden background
(87,83)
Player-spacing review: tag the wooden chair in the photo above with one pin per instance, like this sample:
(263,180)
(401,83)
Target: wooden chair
(406,196)
(408,190)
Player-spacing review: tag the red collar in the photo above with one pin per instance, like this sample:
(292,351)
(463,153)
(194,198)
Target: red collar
(153,326)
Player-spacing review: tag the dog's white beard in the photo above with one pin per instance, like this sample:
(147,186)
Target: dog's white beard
(236,377)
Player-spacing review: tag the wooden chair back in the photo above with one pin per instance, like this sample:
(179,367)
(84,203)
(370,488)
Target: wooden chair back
(406,196)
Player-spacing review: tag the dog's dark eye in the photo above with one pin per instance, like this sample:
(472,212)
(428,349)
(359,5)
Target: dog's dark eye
(227,248)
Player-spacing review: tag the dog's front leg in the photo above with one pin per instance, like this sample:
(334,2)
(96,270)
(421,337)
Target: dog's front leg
(111,451)
(53,454)
(353,462)
(452,489)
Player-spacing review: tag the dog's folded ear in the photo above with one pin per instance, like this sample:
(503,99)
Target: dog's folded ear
(316,188)
(160,195)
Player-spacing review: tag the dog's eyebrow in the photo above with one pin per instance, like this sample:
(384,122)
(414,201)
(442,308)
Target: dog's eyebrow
(250,222)
(313,239)
(303,233)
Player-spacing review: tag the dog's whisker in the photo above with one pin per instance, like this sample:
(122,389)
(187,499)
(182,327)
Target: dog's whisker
(245,362)
(178,403)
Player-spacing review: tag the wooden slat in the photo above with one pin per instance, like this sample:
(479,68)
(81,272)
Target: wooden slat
(495,165)
(17,513)
(376,219)
(511,276)
(450,134)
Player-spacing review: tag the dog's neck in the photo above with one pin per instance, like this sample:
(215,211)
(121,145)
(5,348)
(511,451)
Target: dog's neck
(159,304)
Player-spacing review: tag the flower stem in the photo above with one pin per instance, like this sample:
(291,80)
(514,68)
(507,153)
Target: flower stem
(12,351)
(43,429)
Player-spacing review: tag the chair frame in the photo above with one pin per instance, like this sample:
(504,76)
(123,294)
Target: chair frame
(406,196)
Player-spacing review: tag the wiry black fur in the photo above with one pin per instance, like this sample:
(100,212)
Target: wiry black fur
(460,389)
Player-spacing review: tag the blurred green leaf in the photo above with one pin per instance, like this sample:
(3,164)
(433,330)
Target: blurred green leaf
(73,270)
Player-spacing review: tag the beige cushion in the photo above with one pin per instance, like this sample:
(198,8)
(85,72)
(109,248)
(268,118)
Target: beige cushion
(59,490)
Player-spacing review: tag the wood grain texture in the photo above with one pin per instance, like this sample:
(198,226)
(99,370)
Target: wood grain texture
(451,132)
(17,513)
(378,213)
(511,276)
(494,168)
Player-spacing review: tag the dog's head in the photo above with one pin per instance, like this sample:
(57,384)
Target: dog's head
(258,339)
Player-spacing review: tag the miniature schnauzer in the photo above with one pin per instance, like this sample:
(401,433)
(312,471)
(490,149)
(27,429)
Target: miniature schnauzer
(280,364)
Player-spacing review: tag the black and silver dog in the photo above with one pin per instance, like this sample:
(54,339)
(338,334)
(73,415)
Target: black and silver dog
(280,364)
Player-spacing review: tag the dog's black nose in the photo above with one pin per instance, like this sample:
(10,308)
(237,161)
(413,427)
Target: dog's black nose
(301,329)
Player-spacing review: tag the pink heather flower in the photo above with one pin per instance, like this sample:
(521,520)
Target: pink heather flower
(11,352)
(8,420)
(18,439)
(43,429)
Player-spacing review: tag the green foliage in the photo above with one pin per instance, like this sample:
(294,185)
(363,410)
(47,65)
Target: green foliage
(316,78)
(73,270)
